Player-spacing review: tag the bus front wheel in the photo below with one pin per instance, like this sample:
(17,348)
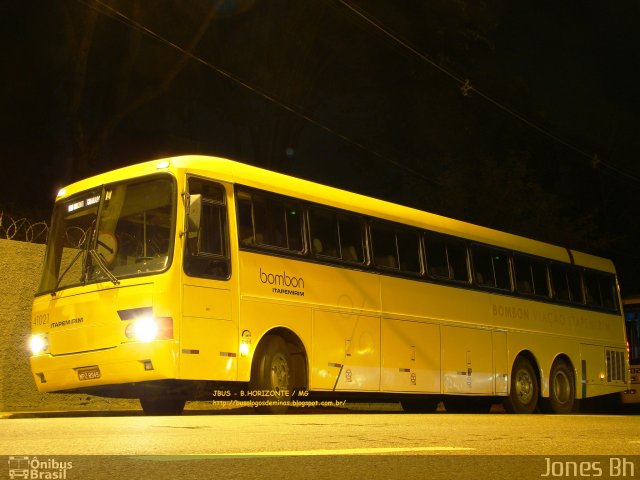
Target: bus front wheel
(271,384)
(523,396)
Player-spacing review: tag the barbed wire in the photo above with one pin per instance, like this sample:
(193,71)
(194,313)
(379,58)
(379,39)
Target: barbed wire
(22,229)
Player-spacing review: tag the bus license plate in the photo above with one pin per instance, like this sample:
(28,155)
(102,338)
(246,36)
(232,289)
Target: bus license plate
(88,373)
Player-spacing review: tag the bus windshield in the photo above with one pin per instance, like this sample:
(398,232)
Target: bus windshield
(118,230)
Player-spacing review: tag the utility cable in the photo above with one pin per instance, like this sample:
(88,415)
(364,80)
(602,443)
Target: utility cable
(121,17)
(466,87)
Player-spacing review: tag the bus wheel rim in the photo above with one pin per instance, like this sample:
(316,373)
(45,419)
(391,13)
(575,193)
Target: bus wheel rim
(561,387)
(524,387)
(279,373)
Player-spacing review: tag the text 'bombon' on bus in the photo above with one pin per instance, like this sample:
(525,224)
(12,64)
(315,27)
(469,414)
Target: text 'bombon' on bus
(202,278)
(631,307)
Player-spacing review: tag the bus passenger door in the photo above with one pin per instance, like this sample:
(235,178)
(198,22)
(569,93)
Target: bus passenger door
(208,336)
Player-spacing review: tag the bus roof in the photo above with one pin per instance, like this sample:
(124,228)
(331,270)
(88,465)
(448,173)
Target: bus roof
(239,173)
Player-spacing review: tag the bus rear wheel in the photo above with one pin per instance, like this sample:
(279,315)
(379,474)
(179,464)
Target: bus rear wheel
(562,389)
(523,395)
(272,375)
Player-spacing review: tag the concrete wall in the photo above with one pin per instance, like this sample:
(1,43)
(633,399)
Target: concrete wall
(20,266)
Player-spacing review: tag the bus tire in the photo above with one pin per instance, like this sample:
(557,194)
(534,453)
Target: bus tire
(562,389)
(272,373)
(523,395)
(162,405)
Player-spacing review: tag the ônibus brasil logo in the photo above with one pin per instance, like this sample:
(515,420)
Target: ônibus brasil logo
(50,468)
(283,283)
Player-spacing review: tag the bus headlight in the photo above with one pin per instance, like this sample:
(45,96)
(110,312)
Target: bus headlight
(148,329)
(38,344)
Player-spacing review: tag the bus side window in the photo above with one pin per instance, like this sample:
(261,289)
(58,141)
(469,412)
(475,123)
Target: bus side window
(540,277)
(567,285)
(457,256)
(559,281)
(208,251)
(575,285)
(397,248)
(293,221)
(409,251)
(599,290)
(385,251)
(269,221)
(482,267)
(351,233)
(446,258)
(608,290)
(436,257)
(246,234)
(530,275)
(490,267)
(522,270)
(323,226)
(336,235)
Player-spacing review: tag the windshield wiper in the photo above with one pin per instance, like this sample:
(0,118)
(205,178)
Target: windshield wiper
(96,257)
(71,264)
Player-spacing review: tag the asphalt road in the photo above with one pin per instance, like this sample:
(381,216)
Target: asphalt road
(323,445)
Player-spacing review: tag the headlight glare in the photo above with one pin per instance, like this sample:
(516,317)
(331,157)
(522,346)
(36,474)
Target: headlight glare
(143,329)
(38,344)
(147,329)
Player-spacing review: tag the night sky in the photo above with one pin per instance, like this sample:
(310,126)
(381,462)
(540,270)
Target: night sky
(364,95)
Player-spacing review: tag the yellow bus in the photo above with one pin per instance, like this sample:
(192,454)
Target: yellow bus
(631,306)
(202,278)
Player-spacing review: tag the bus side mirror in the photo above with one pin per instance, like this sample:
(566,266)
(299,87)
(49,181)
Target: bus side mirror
(194,214)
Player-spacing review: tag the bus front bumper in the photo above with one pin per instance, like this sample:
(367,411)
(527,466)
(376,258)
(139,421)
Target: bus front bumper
(128,363)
